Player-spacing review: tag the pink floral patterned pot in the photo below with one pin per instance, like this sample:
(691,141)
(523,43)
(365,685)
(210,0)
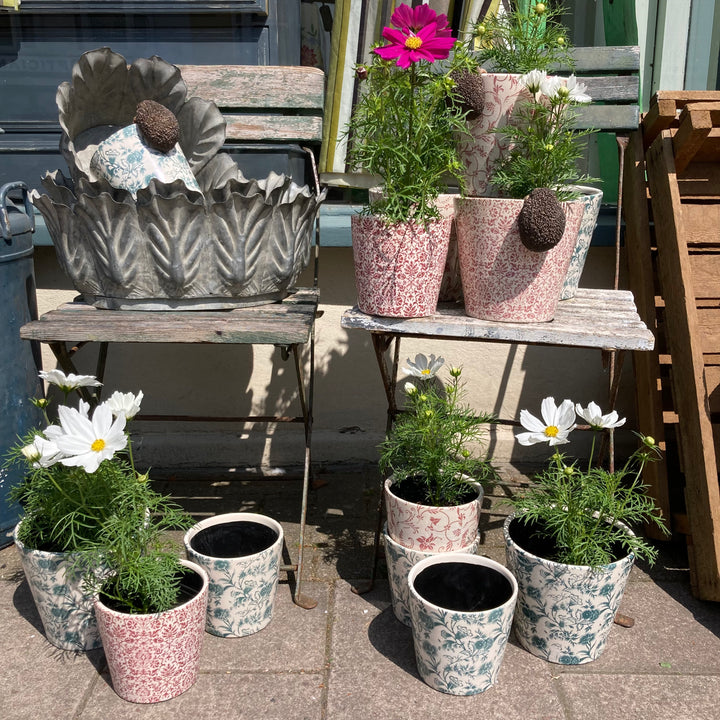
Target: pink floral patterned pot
(399,267)
(482,147)
(503,280)
(155,657)
(432,529)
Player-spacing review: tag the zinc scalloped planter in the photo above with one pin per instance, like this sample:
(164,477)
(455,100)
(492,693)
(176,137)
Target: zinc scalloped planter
(592,197)
(427,528)
(502,280)
(155,657)
(400,560)
(66,611)
(565,612)
(242,586)
(481,148)
(462,610)
(399,267)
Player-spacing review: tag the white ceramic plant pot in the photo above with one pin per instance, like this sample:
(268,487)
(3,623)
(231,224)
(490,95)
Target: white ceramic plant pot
(427,528)
(592,197)
(565,612)
(399,267)
(502,280)
(65,609)
(241,553)
(462,609)
(155,657)
(400,560)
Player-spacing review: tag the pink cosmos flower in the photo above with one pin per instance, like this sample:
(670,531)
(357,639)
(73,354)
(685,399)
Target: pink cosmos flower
(423,35)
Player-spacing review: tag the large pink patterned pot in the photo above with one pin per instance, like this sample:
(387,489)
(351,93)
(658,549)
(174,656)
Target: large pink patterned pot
(482,147)
(156,657)
(503,280)
(399,266)
(432,529)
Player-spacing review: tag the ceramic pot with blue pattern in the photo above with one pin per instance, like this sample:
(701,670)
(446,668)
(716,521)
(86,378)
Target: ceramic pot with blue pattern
(241,553)
(400,561)
(565,612)
(462,609)
(65,609)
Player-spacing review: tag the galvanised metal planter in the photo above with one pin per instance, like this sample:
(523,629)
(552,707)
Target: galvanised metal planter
(241,553)
(166,246)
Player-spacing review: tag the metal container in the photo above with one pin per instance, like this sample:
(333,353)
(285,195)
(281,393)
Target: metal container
(19,359)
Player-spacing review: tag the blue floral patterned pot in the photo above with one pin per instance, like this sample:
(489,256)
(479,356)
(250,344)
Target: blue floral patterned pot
(565,612)
(462,608)
(400,561)
(241,554)
(66,611)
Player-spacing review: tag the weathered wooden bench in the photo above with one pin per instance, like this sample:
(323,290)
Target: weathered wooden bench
(266,109)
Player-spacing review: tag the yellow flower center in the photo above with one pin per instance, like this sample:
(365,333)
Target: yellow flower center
(413,42)
(98,445)
(551,431)
(426,371)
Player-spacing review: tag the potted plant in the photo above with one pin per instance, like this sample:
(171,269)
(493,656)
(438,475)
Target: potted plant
(433,495)
(241,553)
(403,131)
(74,472)
(527,36)
(569,541)
(462,608)
(515,250)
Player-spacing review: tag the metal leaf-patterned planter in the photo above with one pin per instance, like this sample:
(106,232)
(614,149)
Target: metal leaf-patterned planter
(235,242)
(243,578)
(565,612)
(462,609)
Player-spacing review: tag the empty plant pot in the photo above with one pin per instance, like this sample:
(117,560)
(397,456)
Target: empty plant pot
(462,609)
(241,552)
(400,560)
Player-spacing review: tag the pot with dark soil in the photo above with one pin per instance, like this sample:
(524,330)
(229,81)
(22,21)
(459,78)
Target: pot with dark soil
(241,553)
(462,609)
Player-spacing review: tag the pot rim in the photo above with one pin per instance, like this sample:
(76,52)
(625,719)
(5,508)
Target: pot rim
(22,547)
(233,517)
(474,483)
(468,559)
(99,605)
(553,563)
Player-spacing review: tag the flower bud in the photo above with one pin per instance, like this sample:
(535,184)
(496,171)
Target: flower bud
(540,8)
(31,453)
(361,72)
(649,441)
(410,389)
(455,372)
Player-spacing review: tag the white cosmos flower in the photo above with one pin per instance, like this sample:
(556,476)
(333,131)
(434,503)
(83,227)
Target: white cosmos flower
(551,85)
(533,80)
(126,403)
(87,442)
(555,426)
(42,452)
(577,90)
(422,367)
(70,381)
(592,414)
(84,408)
(410,389)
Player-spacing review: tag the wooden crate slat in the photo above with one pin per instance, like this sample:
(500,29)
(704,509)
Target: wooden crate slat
(702,224)
(273,128)
(688,373)
(612,58)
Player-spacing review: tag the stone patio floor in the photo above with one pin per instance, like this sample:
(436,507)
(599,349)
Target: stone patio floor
(349,657)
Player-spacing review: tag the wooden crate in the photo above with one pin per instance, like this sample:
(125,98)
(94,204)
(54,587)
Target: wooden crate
(674,273)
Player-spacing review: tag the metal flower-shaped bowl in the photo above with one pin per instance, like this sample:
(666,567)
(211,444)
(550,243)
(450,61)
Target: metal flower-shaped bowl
(236,242)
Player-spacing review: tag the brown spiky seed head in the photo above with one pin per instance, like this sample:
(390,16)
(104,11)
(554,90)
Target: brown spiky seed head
(158,125)
(469,87)
(541,221)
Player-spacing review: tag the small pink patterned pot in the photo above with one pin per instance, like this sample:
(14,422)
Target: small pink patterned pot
(503,280)
(155,657)
(399,267)
(432,529)
(481,148)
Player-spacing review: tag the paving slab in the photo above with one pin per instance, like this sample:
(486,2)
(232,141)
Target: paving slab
(640,697)
(373,672)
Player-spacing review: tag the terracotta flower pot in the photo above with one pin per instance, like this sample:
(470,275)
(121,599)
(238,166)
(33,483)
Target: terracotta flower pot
(156,657)
(462,609)
(432,529)
(481,148)
(399,267)
(565,612)
(592,197)
(503,280)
